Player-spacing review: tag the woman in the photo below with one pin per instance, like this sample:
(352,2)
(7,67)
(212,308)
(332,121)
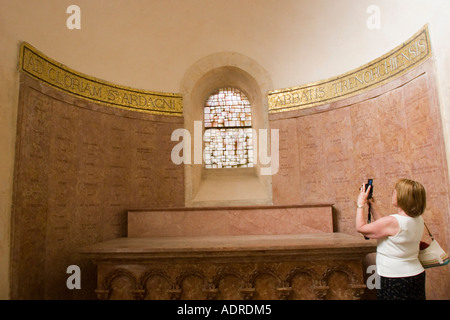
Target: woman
(401,273)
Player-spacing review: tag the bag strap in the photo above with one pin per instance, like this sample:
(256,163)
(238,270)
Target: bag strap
(428,230)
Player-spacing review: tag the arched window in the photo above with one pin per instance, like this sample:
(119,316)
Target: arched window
(228,130)
(209,187)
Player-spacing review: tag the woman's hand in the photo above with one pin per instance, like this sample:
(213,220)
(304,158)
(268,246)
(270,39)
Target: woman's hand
(382,227)
(363,195)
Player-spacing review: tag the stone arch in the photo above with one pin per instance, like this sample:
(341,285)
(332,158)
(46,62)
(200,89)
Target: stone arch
(159,286)
(128,284)
(265,278)
(192,284)
(245,186)
(303,283)
(342,283)
(228,283)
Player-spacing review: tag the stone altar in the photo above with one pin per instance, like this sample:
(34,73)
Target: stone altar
(229,265)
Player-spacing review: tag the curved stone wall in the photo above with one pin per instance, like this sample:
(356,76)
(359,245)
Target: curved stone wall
(393,131)
(79,166)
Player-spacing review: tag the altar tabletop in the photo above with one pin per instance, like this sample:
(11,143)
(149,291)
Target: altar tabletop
(232,246)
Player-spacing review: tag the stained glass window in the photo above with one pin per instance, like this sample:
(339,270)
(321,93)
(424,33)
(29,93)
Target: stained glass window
(228,130)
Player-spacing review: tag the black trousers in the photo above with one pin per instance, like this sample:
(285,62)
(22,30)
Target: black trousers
(407,288)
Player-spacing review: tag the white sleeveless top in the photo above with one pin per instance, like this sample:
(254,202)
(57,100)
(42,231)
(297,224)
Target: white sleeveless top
(398,255)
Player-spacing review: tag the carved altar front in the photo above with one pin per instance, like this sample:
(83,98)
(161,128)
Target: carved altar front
(270,266)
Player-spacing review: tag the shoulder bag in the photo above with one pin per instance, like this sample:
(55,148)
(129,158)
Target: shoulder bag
(432,255)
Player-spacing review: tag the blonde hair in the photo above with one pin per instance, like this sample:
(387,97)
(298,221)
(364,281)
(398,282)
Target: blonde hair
(411,197)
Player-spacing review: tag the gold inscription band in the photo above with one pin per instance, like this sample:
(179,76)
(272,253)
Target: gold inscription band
(391,65)
(61,77)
